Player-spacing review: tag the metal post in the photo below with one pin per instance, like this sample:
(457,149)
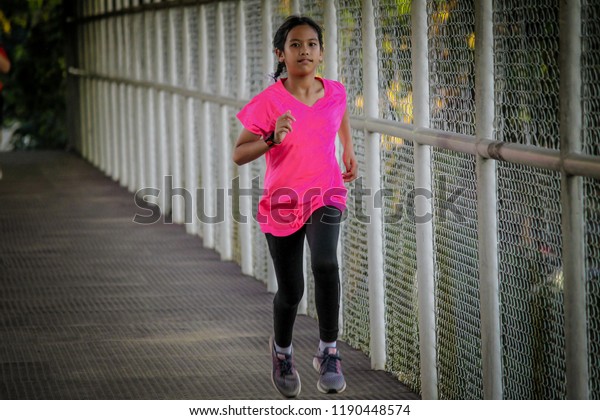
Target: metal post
(123,138)
(422,155)
(103,98)
(161,112)
(331,72)
(208,186)
(107,124)
(295,7)
(175,123)
(373,171)
(140,115)
(191,176)
(268,62)
(487,204)
(224,142)
(114,47)
(85,95)
(573,231)
(245,205)
(131,149)
(96,150)
(152,179)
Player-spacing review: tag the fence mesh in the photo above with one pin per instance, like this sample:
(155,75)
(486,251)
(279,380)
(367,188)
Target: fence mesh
(231,35)
(531,294)
(451,28)
(590,62)
(192,79)
(211,33)
(349,23)
(354,231)
(180,77)
(526,72)
(355,271)
(393,31)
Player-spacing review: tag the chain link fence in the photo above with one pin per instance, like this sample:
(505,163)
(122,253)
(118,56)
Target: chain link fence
(526,112)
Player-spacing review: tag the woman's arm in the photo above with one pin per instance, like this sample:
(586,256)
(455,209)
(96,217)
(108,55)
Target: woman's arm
(249,146)
(348,155)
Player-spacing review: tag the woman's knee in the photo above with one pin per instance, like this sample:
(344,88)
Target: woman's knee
(325,267)
(290,294)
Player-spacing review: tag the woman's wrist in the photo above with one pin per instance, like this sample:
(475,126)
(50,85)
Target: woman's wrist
(270,140)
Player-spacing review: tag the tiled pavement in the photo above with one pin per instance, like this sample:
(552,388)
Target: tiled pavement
(94,306)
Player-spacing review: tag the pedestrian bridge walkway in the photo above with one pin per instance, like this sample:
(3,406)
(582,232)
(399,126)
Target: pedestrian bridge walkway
(95,306)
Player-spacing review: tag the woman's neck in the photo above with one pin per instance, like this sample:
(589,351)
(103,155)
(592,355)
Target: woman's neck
(303,87)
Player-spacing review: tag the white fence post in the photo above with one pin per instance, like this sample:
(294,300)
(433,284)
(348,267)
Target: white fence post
(268,63)
(138,104)
(178,204)
(105,143)
(114,48)
(189,135)
(96,147)
(161,115)
(224,143)
(422,153)
(573,231)
(208,186)
(130,114)
(487,204)
(122,98)
(373,171)
(331,72)
(245,200)
(152,179)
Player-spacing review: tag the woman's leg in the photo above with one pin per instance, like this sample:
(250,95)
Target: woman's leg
(322,233)
(287,253)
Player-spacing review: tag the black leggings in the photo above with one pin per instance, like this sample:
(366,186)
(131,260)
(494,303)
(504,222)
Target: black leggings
(321,231)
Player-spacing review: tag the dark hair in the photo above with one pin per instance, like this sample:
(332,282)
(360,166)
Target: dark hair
(281,35)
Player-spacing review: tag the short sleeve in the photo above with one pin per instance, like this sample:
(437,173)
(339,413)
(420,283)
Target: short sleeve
(257,115)
(340,89)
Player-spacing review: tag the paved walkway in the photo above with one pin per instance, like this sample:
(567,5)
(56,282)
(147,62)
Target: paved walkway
(94,306)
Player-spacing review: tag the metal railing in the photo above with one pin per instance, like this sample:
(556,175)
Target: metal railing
(457,305)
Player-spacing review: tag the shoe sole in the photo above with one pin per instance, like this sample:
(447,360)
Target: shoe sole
(271,345)
(319,387)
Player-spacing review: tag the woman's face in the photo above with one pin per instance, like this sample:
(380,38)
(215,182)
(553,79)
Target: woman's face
(302,51)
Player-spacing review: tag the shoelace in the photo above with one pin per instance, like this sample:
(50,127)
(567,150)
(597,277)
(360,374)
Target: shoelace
(329,363)
(285,366)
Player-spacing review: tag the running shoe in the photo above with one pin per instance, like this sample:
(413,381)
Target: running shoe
(329,365)
(284,376)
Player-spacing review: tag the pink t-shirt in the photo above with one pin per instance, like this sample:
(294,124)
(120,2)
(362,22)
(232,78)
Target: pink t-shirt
(302,172)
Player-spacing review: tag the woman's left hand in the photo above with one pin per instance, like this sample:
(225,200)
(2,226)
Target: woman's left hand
(351,165)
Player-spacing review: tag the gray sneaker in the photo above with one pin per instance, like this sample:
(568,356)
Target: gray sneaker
(329,365)
(284,376)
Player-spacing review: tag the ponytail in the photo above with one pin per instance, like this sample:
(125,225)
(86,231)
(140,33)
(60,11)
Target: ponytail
(280,68)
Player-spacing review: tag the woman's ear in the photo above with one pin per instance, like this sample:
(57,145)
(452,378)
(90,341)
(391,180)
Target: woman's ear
(279,55)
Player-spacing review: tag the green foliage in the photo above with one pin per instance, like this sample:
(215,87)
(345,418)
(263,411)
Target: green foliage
(34,91)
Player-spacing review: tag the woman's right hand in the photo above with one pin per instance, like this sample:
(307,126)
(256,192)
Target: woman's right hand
(283,126)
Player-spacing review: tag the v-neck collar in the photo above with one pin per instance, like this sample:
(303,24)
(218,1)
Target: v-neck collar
(325,91)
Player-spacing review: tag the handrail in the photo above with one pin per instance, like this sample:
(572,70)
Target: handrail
(577,164)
